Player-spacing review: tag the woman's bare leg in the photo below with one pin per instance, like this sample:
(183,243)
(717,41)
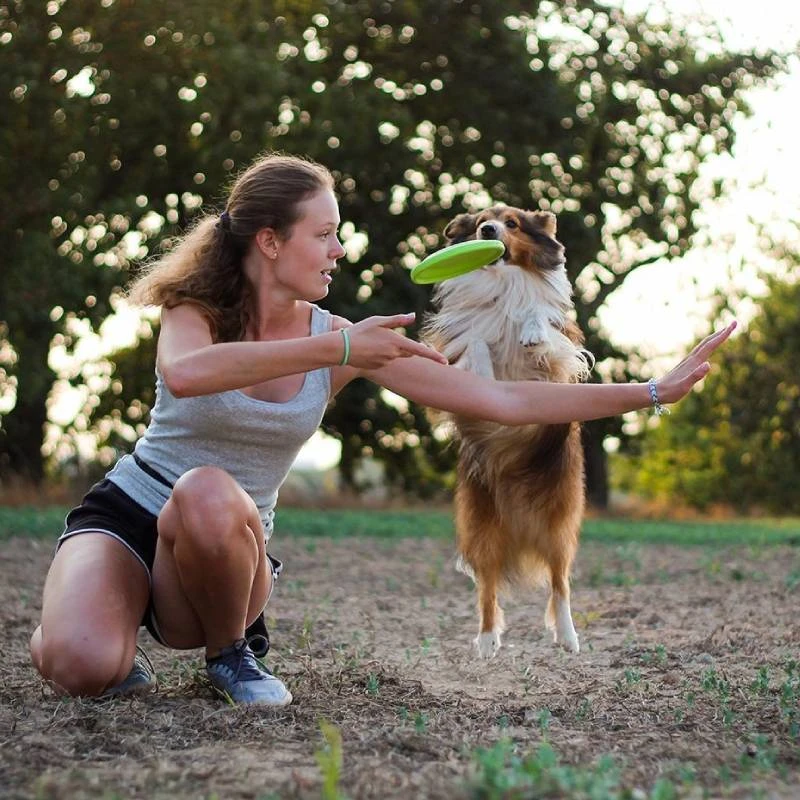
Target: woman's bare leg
(94,598)
(210,578)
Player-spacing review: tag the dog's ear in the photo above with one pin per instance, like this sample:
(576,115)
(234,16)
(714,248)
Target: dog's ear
(461,228)
(545,221)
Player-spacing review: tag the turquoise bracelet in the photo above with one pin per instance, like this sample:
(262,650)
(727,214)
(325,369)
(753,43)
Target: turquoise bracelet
(346,356)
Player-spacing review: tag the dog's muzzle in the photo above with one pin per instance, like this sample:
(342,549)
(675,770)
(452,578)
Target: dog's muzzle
(491,231)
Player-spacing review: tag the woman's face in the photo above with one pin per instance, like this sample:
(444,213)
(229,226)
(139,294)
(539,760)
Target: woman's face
(308,256)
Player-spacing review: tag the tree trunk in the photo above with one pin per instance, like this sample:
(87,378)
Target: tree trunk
(595,464)
(22,432)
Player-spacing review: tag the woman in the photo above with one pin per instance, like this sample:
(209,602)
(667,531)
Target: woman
(174,537)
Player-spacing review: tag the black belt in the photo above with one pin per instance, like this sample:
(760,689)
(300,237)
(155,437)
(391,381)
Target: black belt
(145,467)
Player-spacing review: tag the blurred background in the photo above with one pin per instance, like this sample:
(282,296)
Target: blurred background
(661,135)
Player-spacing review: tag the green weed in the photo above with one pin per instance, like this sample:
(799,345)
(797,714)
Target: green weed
(760,685)
(501,772)
(789,698)
(632,676)
(543,719)
(630,679)
(329,758)
(373,684)
(657,655)
(584,708)
(760,756)
(420,722)
(716,685)
(306,632)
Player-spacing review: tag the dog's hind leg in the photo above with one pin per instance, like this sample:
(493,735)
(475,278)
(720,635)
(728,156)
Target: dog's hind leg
(491,615)
(559,614)
(479,546)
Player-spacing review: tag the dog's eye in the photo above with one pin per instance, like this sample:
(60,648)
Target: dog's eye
(510,223)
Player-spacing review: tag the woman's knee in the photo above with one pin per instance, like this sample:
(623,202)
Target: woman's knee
(77,667)
(208,506)
(208,493)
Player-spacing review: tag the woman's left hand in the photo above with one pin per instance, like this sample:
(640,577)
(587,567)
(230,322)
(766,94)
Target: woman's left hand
(678,382)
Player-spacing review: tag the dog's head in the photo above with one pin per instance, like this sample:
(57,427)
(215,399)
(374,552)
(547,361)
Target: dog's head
(528,236)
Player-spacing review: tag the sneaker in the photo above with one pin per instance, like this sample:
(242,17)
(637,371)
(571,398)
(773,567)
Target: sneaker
(257,636)
(141,679)
(238,677)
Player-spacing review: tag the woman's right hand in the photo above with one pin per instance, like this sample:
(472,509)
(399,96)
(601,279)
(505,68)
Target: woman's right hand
(374,343)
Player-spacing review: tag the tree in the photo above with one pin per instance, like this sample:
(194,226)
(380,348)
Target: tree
(738,444)
(422,109)
(103,156)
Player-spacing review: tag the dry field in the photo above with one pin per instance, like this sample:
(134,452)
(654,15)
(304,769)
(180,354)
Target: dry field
(687,685)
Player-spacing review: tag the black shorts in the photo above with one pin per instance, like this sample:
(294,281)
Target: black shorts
(107,509)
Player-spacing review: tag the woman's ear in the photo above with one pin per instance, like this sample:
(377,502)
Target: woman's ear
(267,242)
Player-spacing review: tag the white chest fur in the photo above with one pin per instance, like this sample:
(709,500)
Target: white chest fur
(509,323)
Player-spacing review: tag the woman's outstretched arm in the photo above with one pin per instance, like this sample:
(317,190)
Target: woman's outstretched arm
(519,402)
(193,364)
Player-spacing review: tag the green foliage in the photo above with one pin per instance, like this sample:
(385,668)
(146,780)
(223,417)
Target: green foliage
(31,523)
(738,442)
(789,698)
(501,772)
(329,758)
(120,120)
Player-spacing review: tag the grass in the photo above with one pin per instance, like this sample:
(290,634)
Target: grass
(396,524)
(35,523)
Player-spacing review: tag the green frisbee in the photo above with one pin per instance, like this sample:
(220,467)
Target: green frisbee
(457,259)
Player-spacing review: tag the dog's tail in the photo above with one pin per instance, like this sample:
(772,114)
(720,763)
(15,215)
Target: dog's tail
(528,572)
(463,567)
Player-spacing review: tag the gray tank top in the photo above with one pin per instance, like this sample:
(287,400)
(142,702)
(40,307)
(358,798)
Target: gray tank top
(255,441)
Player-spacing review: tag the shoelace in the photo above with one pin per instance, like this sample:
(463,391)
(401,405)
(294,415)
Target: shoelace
(247,668)
(140,651)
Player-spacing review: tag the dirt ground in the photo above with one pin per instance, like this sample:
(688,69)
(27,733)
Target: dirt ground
(684,677)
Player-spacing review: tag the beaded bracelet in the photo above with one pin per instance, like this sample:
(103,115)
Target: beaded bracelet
(346,356)
(658,409)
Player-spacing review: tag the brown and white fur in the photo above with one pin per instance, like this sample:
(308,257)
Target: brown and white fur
(519,499)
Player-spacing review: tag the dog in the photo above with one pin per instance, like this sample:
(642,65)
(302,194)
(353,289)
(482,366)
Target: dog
(519,497)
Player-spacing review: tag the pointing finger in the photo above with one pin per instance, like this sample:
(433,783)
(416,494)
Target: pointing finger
(412,348)
(396,320)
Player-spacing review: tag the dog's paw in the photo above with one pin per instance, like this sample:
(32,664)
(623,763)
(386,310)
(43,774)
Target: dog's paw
(488,644)
(532,333)
(479,358)
(567,639)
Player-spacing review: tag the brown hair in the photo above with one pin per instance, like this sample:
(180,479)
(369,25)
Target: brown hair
(204,266)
